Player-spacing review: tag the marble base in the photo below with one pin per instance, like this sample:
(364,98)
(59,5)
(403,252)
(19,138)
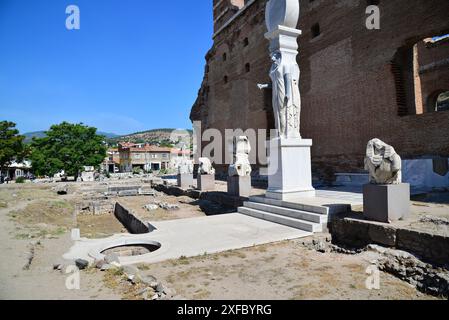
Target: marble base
(386,203)
(239,186)
(185,181)
(289,169)
(206,182)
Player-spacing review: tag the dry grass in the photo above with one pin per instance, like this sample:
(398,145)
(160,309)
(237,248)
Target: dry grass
(276,271)
(116,280)
(101,226)
(44,218)
(25,192)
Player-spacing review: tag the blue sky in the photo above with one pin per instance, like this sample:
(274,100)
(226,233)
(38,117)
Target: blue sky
(134,65)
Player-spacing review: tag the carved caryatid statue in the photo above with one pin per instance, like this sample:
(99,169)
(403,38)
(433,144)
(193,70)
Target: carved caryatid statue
(281,18)
(383,163)
(241,166)
(286,96)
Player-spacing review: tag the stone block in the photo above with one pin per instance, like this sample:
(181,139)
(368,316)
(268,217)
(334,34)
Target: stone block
(382,234)
(185,181)
(206,182)
(239,186)
(289,169)
(386,203)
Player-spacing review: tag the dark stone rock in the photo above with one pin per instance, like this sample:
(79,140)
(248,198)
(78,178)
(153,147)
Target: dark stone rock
(81,264)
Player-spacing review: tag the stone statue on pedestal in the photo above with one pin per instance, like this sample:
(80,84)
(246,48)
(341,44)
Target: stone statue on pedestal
(185,167)
(205,167)
(385,198)
(239,173)
(289,166)
(206,175)
(241,166)
(281,18)
(383,163)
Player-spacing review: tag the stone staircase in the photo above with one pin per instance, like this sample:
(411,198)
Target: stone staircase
(307,217)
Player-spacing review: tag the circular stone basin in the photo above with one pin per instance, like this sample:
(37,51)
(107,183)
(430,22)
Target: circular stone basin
(134,249)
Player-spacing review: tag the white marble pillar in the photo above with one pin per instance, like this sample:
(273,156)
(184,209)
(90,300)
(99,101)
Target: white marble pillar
(290,173)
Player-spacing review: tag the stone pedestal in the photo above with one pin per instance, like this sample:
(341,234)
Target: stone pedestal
(289,169)
(239,186)
(185,180)
(206,182)
(386,203)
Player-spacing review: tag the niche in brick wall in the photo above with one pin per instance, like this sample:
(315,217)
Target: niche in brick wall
(421,74)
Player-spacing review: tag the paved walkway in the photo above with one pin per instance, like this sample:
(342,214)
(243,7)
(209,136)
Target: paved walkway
(350,197)
(192,237)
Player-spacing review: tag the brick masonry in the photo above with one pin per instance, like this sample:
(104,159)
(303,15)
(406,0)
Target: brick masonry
(349,87)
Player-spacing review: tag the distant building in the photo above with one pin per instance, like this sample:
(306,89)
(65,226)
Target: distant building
(111,163)
(148,157)
(17,169)
(143,156)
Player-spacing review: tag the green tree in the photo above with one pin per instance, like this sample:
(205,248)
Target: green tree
(67,147)
(11,144)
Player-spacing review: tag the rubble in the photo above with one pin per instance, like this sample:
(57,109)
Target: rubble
(151,207)
(435,220)
(407,267)
(168,206)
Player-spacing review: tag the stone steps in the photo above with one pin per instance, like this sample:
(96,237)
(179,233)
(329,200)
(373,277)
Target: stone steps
(291,213)
(304,216)
(319,209)
(284,220)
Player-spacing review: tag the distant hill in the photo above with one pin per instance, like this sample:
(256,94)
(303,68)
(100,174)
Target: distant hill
(154,136)
(40,134)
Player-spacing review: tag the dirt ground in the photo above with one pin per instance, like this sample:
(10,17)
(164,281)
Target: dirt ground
(187,207)
(284,270)
(35,217)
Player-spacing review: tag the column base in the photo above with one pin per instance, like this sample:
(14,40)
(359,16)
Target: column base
(290,195)
(206,182)
(386,202)
(185,181)
(239,186)
(290,169)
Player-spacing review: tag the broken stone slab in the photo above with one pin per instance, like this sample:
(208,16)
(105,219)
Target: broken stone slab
(131,271)
(111,257)
(107,266)
(147,280)
(99,263)
(168,206)
(151,207)
(159,288)
(128,193)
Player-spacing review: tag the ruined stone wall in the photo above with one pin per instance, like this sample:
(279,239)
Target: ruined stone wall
(351,90)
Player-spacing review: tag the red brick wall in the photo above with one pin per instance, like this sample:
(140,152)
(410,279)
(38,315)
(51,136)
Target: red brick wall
(347,85)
